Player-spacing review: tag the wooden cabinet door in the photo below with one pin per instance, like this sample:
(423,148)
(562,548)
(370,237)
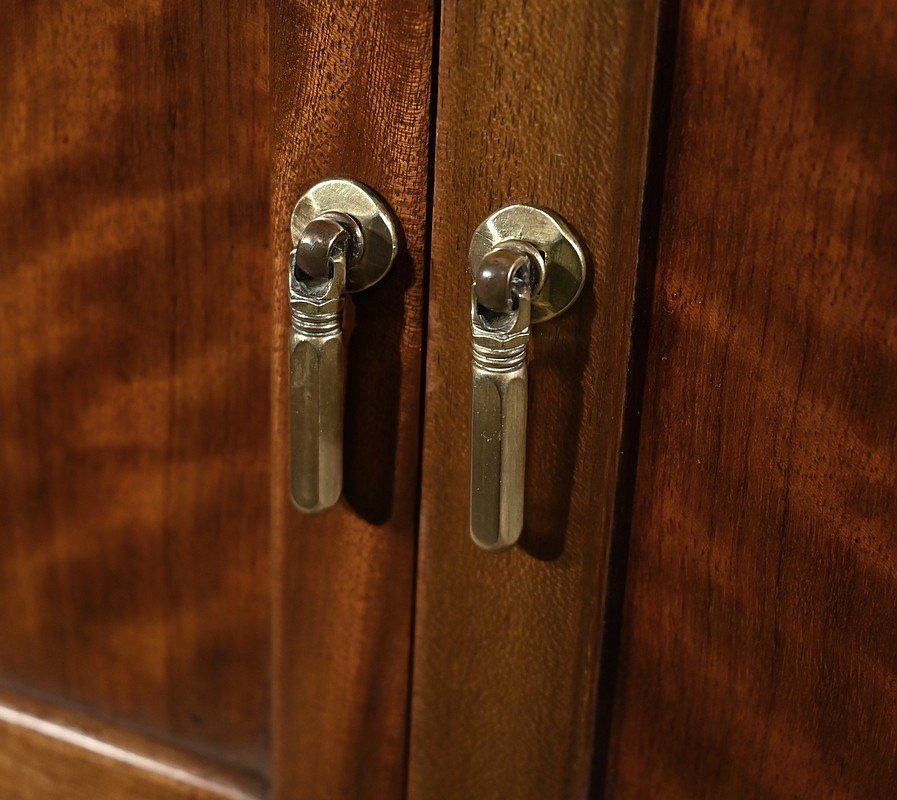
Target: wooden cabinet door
(547,107)
(146,632)
(701,602)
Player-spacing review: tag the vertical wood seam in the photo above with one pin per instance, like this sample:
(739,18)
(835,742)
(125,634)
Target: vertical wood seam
(643,296)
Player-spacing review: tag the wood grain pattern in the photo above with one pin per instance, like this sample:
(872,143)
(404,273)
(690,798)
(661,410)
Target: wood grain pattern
(758,652)
(352,98)
(134,368)
(64,756)
(548,108)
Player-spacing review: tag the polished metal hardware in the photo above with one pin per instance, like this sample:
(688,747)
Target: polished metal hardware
(527,266)
(345,240)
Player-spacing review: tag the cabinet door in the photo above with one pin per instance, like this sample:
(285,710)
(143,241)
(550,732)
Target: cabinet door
(549,108)
(758,650)
(142,426)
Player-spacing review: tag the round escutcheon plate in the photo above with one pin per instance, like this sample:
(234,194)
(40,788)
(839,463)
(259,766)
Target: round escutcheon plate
(565,257)
(378,226)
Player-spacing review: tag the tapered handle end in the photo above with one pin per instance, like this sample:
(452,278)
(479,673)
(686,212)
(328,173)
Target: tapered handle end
(317,378)
(497,457)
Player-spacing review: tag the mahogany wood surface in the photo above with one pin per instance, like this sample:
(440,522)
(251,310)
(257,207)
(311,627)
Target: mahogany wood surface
(351,98)
(547,106)
(134,370)
(759,656)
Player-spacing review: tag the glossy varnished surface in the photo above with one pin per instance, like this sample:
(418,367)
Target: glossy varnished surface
(46,752)
(548,108)
(352,95)
(759,654)
(134,366)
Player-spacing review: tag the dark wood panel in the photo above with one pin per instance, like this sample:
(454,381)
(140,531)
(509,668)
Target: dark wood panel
(758,653)
(547,107)
(64,756)
(134,364)
(352,98)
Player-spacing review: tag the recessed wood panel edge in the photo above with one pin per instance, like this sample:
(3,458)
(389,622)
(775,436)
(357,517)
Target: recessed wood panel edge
(46,752)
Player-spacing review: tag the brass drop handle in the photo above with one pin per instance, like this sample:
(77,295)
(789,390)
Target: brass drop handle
(345,240)
(526,266)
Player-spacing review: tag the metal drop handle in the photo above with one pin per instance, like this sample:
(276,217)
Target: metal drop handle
(526,266)
(345,240)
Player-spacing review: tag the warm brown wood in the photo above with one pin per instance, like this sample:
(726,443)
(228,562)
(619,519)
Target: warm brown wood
(134,368)
(758,655)
(550,108)
(352,97)
(64,756)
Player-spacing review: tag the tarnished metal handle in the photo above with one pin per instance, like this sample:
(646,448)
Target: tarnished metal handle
(526,267)
(317,364)
(500,319)
(345,240)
